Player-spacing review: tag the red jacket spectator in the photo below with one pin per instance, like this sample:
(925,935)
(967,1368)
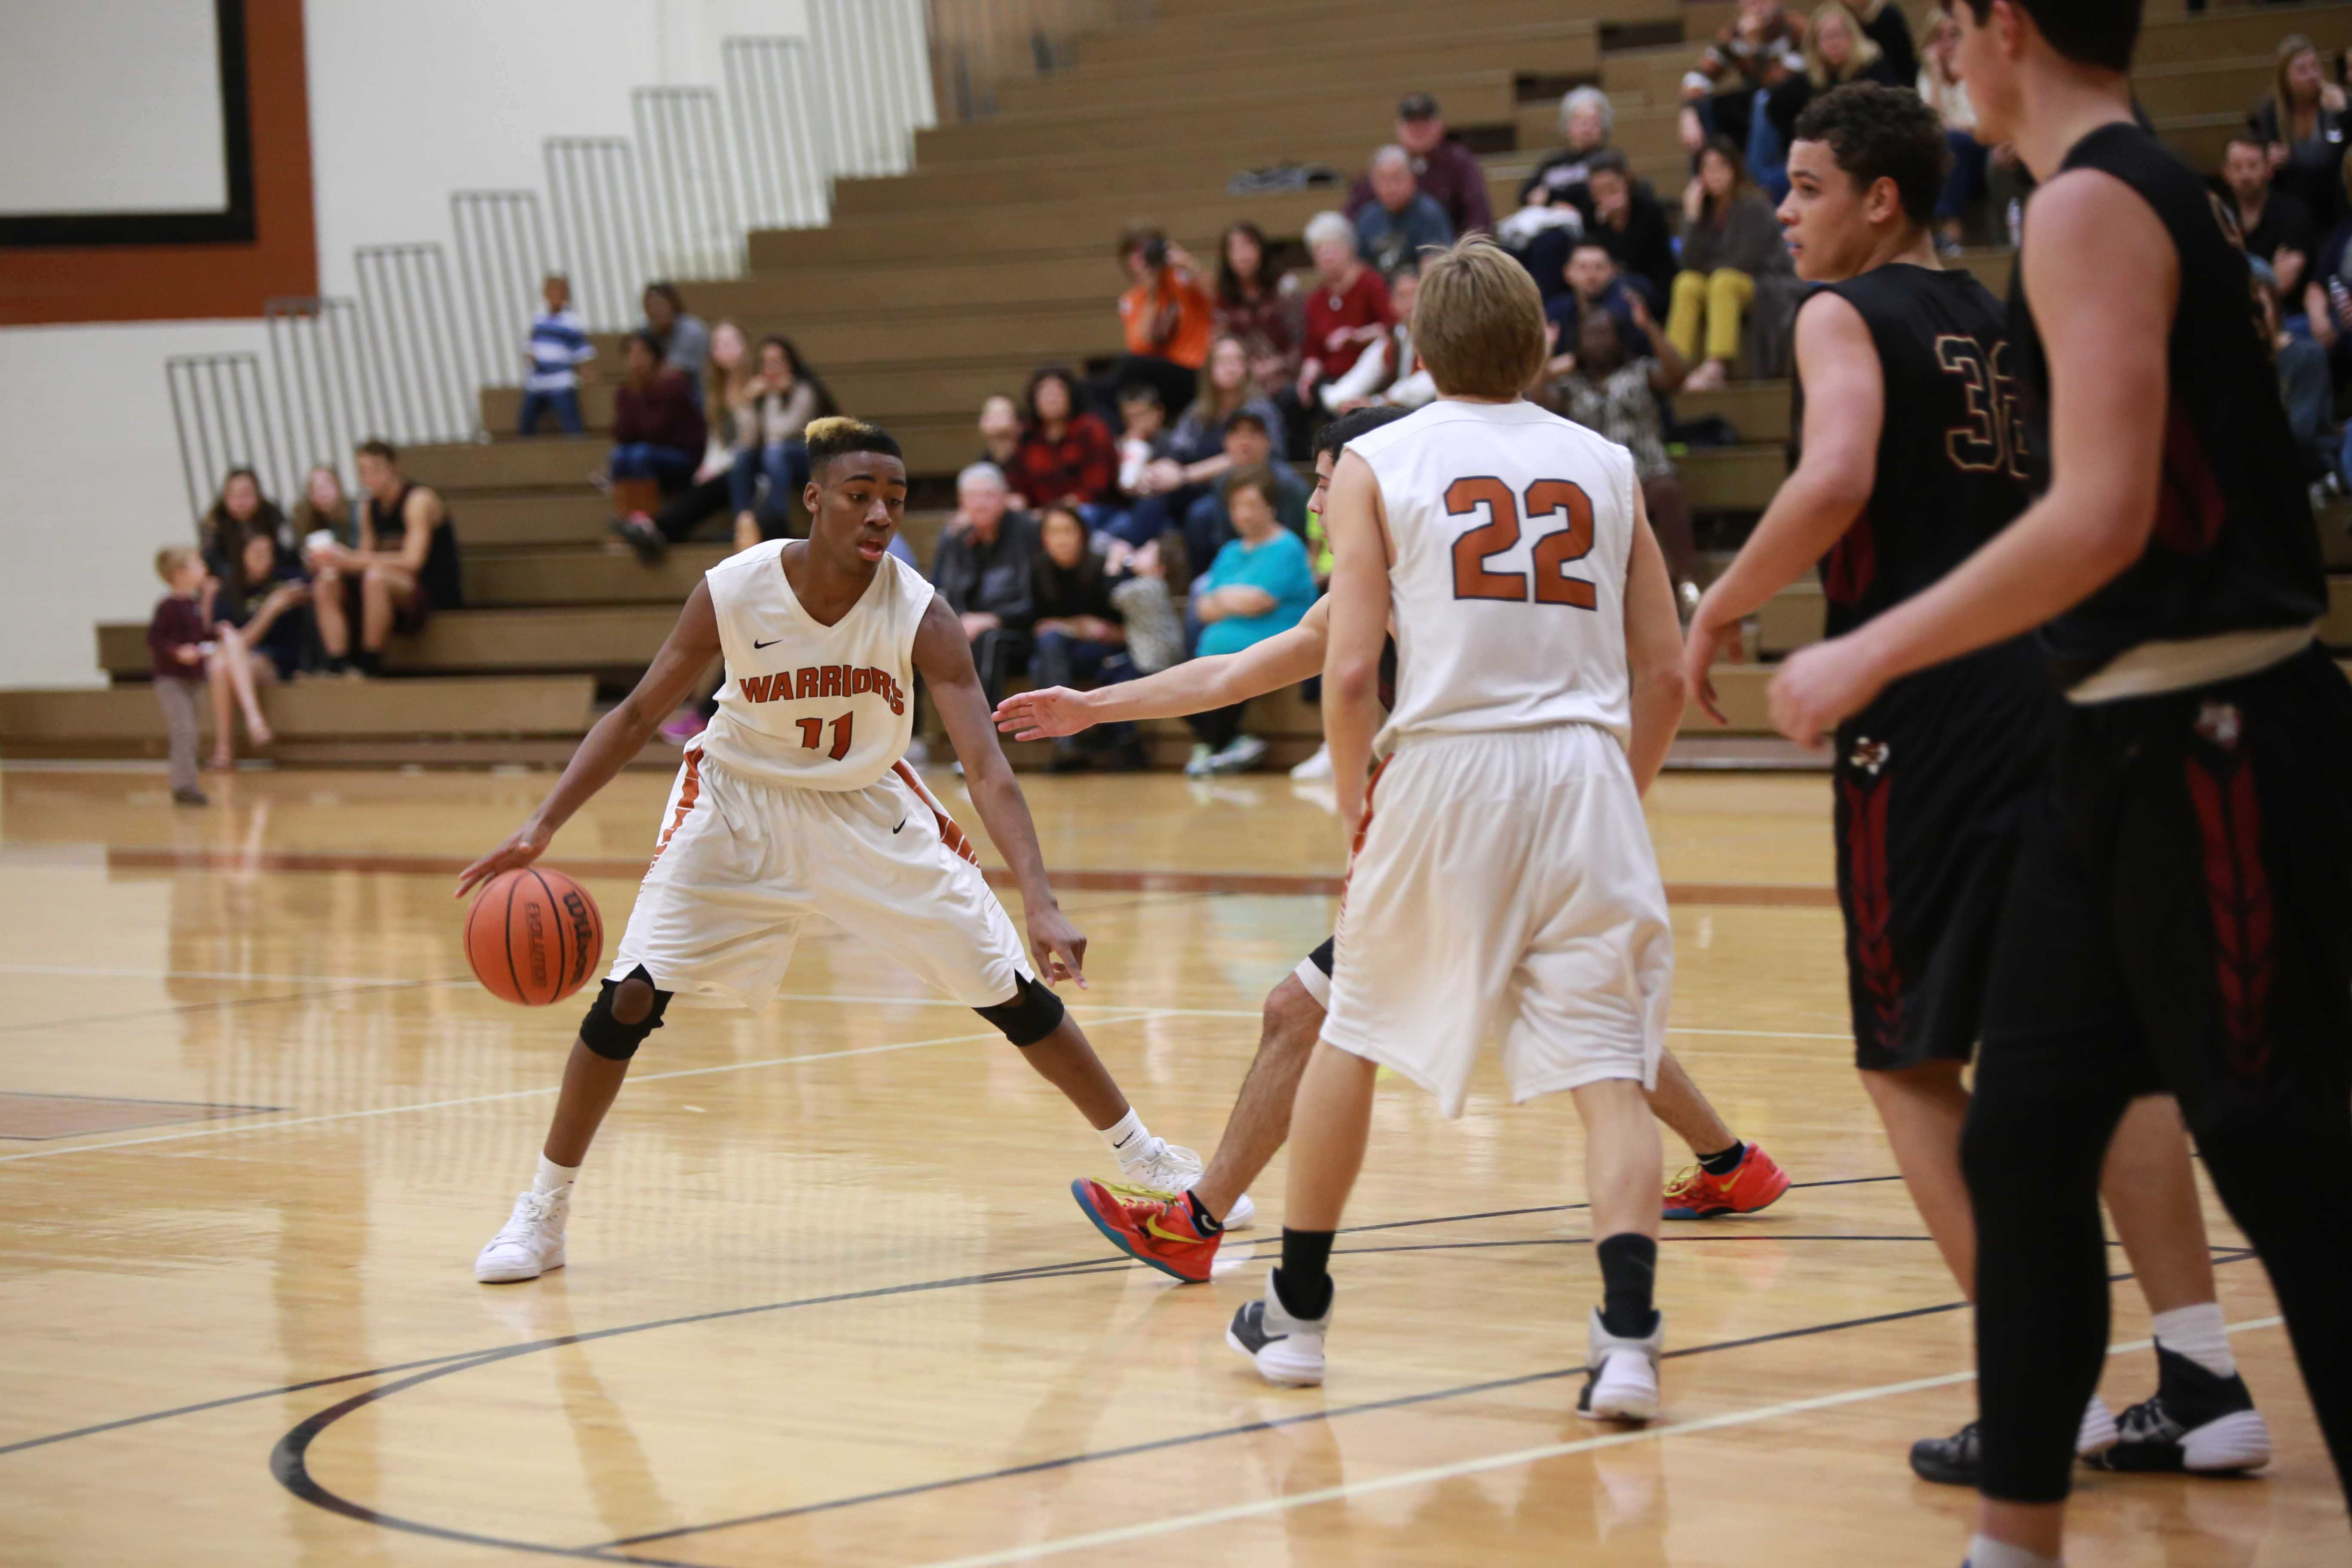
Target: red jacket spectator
(661,414)
(1448,171)
(1344,299)
(1065,455)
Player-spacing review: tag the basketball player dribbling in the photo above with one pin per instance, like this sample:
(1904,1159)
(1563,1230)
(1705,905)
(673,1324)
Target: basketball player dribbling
(794,803)
(1907,463)
(2178,916)
(1501,872)
(1178,1234)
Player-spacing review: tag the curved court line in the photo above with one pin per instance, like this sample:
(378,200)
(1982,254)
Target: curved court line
(289,1459)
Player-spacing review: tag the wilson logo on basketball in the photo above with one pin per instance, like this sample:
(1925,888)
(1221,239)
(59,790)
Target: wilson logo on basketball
(534,941)
(587,940)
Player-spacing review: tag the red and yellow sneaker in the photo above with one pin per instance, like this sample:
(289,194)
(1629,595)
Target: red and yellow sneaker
(1155,1230)
(1756,1182)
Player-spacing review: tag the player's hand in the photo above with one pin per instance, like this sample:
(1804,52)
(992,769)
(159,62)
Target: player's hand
(1821,687)
(1702,646)
(529,843)
(1060,950)
(1045,715)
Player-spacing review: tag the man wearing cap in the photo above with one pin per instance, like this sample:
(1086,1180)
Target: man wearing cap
(1448,171)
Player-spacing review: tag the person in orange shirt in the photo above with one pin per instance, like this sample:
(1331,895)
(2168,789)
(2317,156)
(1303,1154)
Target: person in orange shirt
(1169,315)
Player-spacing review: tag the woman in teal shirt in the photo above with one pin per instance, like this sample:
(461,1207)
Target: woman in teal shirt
(1261,584)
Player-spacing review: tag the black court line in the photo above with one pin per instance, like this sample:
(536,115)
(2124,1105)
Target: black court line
(226,1005)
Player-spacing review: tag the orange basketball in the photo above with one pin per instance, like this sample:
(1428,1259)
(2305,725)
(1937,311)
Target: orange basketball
(533,936)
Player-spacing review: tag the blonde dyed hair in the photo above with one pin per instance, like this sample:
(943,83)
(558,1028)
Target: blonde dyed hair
(1478,322)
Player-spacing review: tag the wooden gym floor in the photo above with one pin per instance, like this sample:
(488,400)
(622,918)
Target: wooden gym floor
(829,1300)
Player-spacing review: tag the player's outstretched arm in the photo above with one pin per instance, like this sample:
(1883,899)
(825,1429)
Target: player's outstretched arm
(618,736)
(1654,652)
(1360,619)
(1845,409)
(2105,279)
(944,658)
(1194,687)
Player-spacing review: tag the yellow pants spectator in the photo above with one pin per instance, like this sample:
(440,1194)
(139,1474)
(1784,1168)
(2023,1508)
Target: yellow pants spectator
(1720,300)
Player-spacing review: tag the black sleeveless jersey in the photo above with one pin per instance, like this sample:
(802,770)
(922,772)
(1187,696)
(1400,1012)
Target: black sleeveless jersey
(440,577)
(1949,473)
(2235,548)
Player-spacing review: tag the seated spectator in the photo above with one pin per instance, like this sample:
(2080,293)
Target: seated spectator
(1445,171)
(240,511)
(1399,223)
(2305,387)
(1259,584)
(1748,87)
(985,570)
(2275,226)
(183,658)
(1166,313)
(1884,23)
(1940,85)
(1586,120)
(1593,285)
(999,431)
(1838,51)
(1394,379)
(777,401)
(404,567)
(2328,291)
(1257,306)
(684,507)
(679,336)
(1730,235)
(1142,439)
(558,346)
(657,430)
(1628,220)
(324,508)
(1248,447)
(1605,388)
(2302,125)
(1065,454)
(261,603)
(1228,385)
(1080,641)
(1348,310)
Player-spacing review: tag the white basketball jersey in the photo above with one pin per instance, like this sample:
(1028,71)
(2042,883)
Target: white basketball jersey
(1512,529)
(812,706)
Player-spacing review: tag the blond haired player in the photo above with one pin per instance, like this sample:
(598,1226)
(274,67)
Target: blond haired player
(1501,872)
(795,803)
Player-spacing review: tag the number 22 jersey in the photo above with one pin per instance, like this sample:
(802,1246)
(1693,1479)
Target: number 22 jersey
(1511,529)
(804,704)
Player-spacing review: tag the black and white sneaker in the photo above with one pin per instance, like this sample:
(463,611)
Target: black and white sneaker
(1286,1349)
(1959,1460)
(1623,1382)
(2196,1422)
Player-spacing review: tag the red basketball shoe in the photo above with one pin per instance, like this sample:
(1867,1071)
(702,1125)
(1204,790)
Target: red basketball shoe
(1756,1182)
(1156,1230)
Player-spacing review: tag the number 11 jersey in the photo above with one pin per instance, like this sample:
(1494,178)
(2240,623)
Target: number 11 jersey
(1511,529)
(804,704)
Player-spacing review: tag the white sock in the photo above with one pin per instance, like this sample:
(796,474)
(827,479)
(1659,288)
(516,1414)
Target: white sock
(2196,1332)
(553,1177)
(1127,1138)
(1984,1552)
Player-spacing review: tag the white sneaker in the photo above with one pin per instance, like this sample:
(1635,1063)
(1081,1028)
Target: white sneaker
(2097,1433)
(1623,1384)
(1165,1170)
(1318,766)
(1242,755)
(531,1242)
(1198,767)
(1286,1349)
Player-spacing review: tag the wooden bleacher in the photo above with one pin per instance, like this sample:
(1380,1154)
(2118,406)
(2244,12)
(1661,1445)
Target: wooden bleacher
(929,291)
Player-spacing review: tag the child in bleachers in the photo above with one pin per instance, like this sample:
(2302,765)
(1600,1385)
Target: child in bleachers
(176,637)
(558,347)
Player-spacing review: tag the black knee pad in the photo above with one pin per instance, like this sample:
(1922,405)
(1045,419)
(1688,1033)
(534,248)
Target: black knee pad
(607,1035)
(1033,1013)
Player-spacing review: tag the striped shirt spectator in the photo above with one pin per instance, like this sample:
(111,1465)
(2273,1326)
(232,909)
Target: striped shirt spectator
(558,346)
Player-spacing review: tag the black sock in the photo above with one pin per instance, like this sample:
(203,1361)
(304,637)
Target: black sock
(371,662)
(1723,1162)
(337,663)
(1302,1283)
(1629,1271)
(1208,1223)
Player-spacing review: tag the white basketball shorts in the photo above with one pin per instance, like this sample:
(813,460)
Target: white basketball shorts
(1505,880)
(742,867)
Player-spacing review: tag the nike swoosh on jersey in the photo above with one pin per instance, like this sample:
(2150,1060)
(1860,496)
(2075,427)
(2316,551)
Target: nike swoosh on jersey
(902,822)
(770,643)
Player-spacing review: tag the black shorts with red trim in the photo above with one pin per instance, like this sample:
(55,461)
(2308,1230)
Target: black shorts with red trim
(2180,918)
(1931,783)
